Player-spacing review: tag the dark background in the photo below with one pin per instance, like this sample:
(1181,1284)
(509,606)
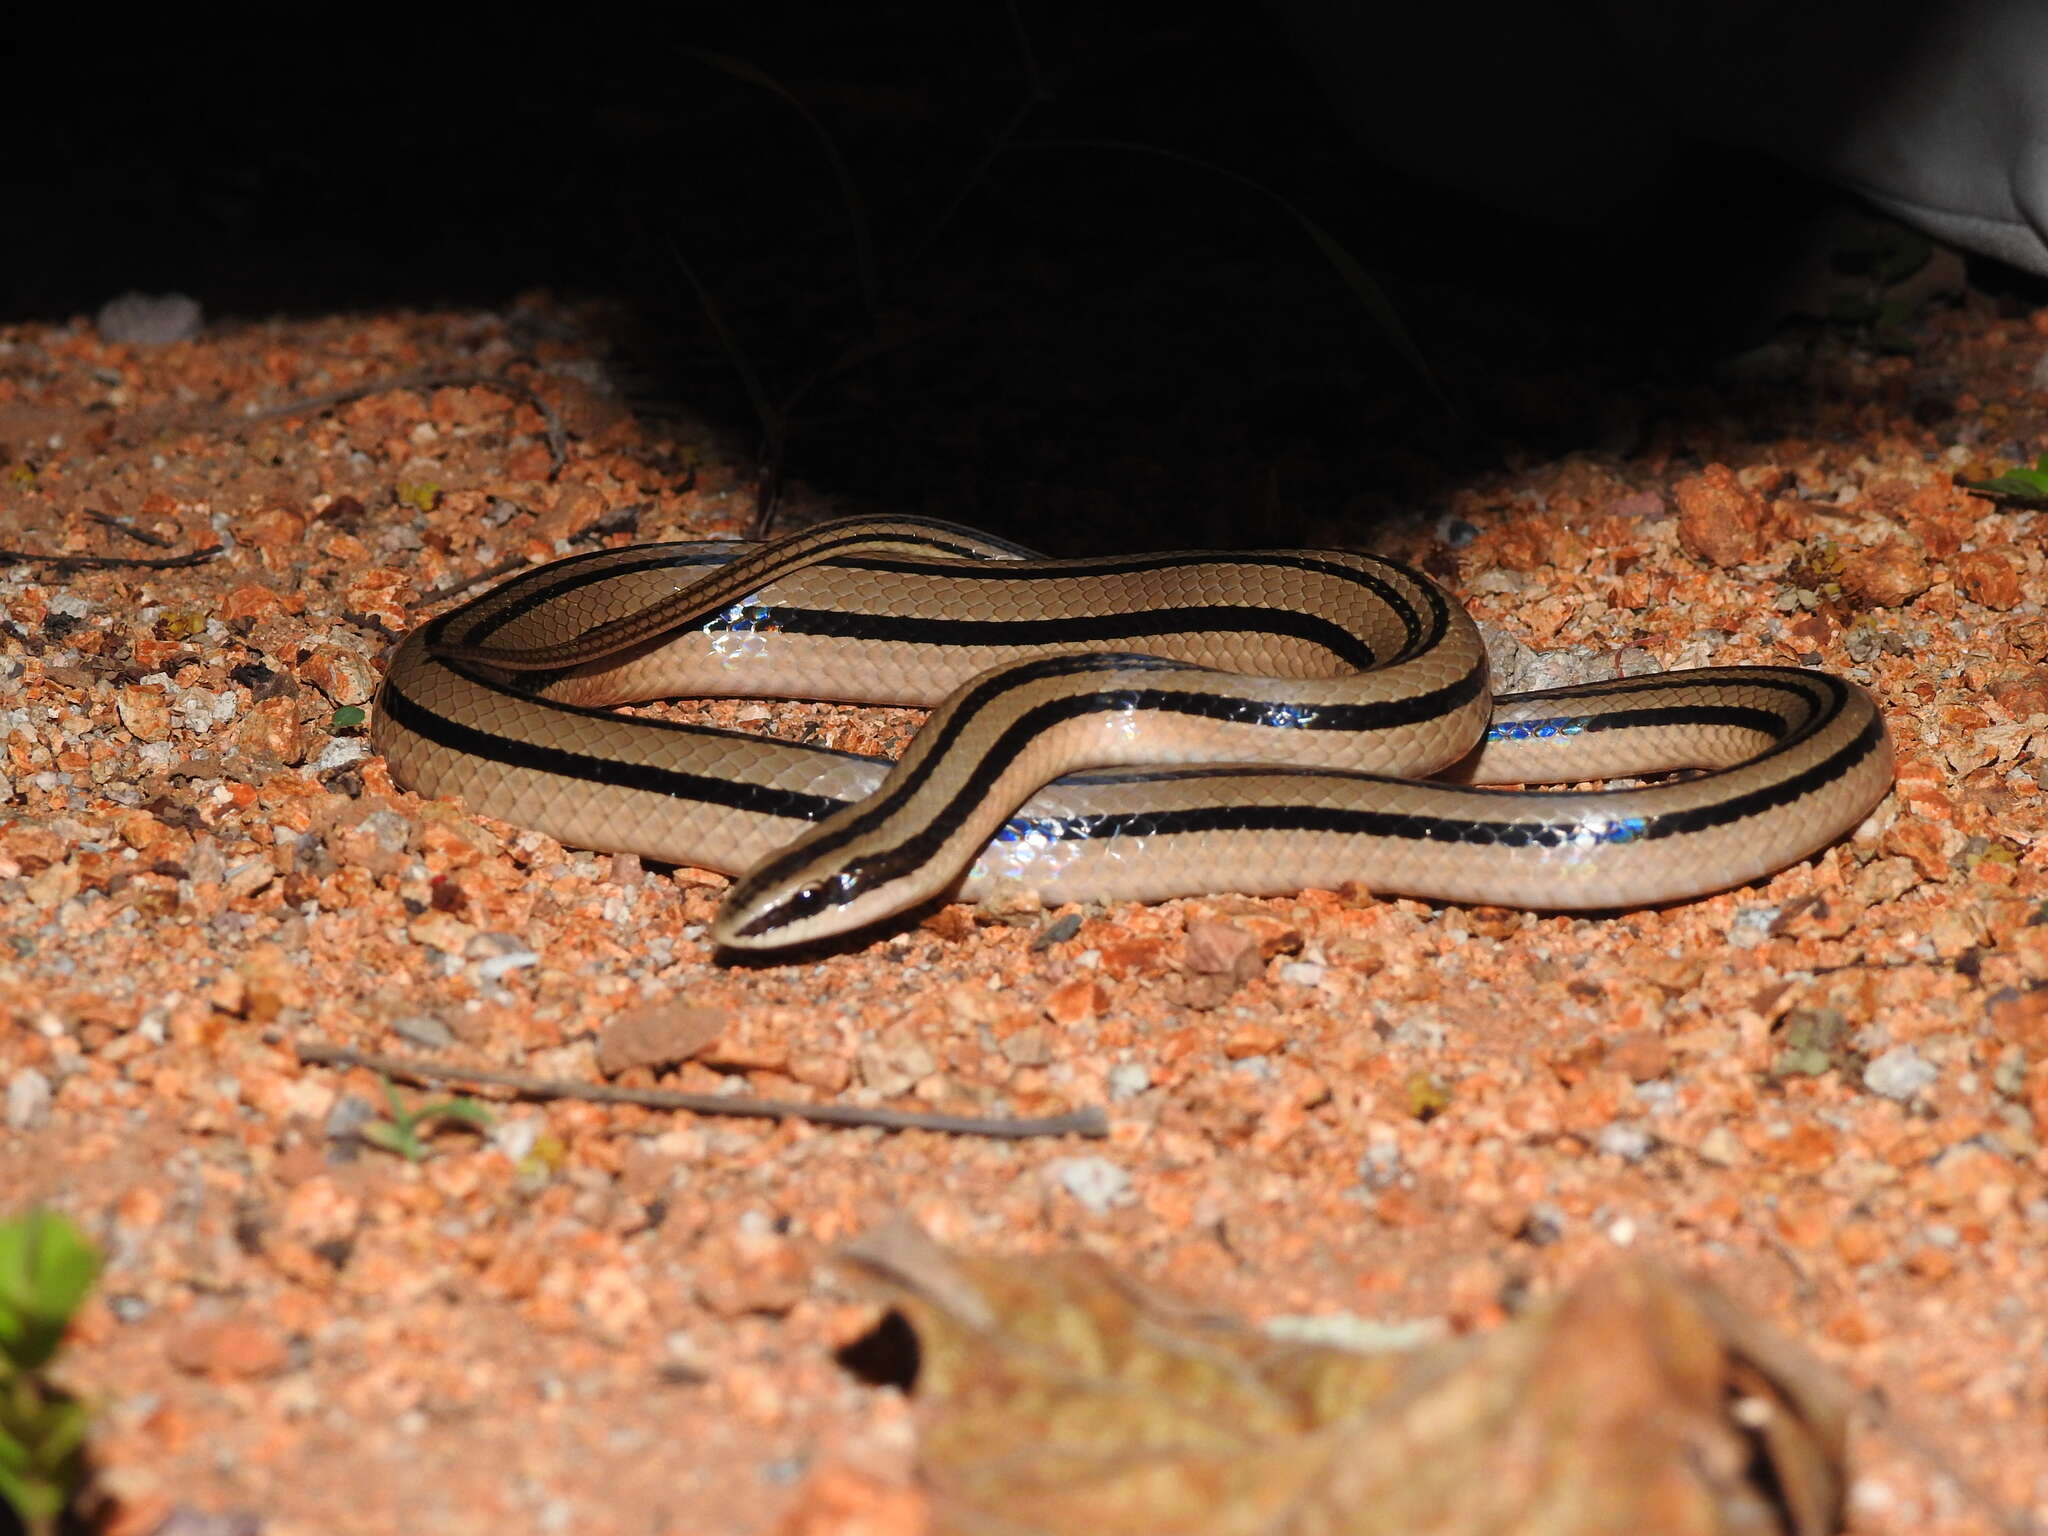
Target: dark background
(1117,346)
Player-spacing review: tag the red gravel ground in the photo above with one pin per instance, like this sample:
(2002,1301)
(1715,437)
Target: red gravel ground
(1826,1091)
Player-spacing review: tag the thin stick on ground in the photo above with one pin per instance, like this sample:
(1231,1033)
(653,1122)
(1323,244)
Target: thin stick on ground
(109,562)
(1081,1122)
(122,525)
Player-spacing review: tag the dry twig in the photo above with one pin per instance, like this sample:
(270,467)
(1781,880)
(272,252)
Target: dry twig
(1083,1122)
(109,562)
(122,525)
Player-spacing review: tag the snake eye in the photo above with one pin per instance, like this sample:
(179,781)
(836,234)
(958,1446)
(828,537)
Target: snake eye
(805,900)
(813,897)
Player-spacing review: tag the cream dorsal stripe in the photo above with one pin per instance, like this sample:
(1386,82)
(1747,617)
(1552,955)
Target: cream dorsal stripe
(1134,727)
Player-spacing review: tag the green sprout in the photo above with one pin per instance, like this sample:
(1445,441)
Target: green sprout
(46,1267)
(401,1133)
(2029,487)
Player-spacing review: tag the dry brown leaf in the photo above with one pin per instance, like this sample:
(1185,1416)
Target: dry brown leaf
(1056,1398)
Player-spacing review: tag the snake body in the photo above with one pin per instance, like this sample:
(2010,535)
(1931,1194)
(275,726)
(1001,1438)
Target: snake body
(1136,727)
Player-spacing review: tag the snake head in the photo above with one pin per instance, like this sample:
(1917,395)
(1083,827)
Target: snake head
(769,914)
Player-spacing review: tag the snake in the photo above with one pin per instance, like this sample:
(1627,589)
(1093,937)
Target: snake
(1129,727)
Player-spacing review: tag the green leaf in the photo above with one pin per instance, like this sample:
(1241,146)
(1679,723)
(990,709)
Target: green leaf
(46,1267)
(2026,485)
(468,1111)
(33,1498)
(13,1457)
(394,1138)
(64,1425)
(346,718)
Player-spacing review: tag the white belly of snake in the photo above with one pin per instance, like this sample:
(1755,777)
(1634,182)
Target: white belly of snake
(1132,728)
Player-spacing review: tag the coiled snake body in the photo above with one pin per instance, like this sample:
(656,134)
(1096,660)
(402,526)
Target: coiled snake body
(1136,727)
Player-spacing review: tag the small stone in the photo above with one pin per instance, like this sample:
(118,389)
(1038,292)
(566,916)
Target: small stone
(351,1112)
(1028,1047)
(1720,521)
(1544,1225)
(1720,1147)
(342,675)
(440,930)
(1751,926)
(149,319)
(339,752)
(497,966)
(268,735)
(972,1005)
(145,713)
(1251,1040)
(1222,949)
(1900,1073)
(271,983)
(425,1031)
(1380,1167)
(515,1139)
(1641,1057)
(656,1035)
(893,1066)
(320,1211)
(28,1100)
(1630,1143)
(1988,576)
(614,1301)
(1889,576)
(1931,1263)
(1128,1079)
(2021,1017)
(271,528)
(1076,1002)
(227,1349)
(826,1071)
(1098,1184)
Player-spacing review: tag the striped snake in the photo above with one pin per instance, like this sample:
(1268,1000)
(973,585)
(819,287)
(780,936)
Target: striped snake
(1135,727)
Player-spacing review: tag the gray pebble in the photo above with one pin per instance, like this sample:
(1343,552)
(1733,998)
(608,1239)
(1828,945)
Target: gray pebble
(351,1112)
(28,1099)
(1751,926)
(1544,1225)
(1097,1183)
(1454,532)
(425,1031)
(149,319)
(1630,1143)
(1380,1167)
(339,752)
(1900,1073)
(1128,1079)
(515,1138)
